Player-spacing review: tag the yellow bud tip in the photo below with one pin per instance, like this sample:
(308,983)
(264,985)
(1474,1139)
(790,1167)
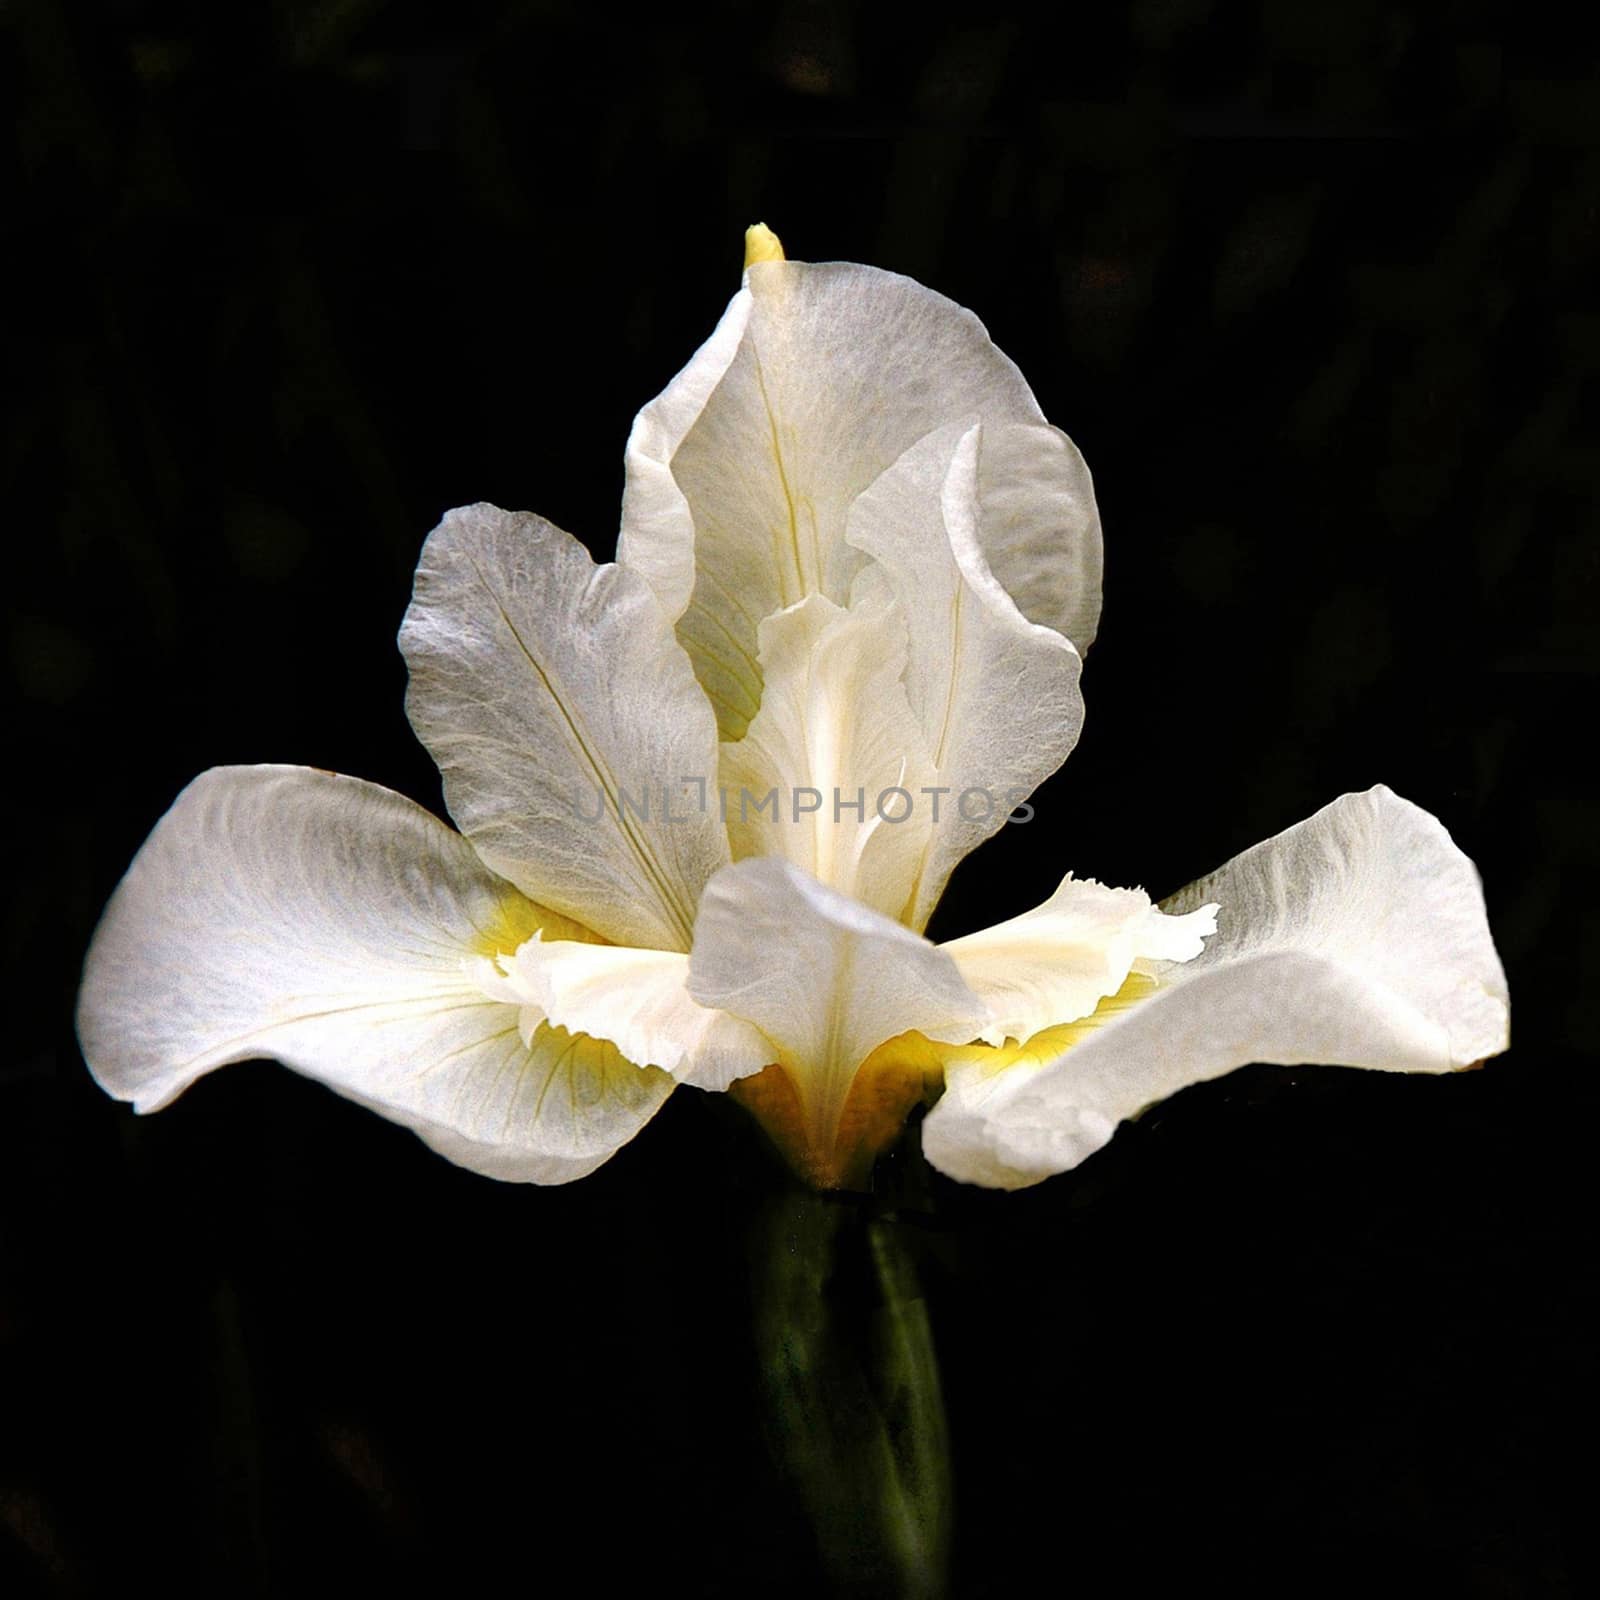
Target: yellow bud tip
(761,244)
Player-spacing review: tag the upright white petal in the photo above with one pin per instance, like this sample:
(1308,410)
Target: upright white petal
(819,378)
(996,696)
(1040,528)
(657,535)
(837,752)
(1357,938)
(639,1000)
(825,978)
(576,748)
(1057,962)
(338,928)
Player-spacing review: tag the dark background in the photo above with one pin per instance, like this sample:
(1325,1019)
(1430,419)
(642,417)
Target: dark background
(1305,284)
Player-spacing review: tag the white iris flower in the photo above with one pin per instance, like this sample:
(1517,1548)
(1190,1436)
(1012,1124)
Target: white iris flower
(710,794)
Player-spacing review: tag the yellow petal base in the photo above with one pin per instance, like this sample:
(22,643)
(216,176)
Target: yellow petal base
(890,1082)
(898,1074)
(516,919)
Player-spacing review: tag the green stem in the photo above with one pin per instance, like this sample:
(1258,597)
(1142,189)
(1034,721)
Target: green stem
(853,1407)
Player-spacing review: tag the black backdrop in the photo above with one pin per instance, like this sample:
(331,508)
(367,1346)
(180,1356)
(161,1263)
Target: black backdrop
(1304,284)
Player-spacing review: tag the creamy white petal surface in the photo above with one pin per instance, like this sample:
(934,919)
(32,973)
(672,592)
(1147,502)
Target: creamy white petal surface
(834,736)
(1357,938)
(567,723)
(996,696)
(818,379)
(1057,962)
(336,927)
(825,978)
(638,999)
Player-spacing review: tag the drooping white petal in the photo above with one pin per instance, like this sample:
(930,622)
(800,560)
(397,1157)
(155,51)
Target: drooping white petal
(637,999)
(830,773)
(1357,938)
(996,696)
(1057,962)
(825,978)
(576,748)
(819,378)
(337,927)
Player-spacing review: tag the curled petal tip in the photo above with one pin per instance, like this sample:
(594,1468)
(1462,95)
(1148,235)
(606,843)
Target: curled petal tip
(761,244)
